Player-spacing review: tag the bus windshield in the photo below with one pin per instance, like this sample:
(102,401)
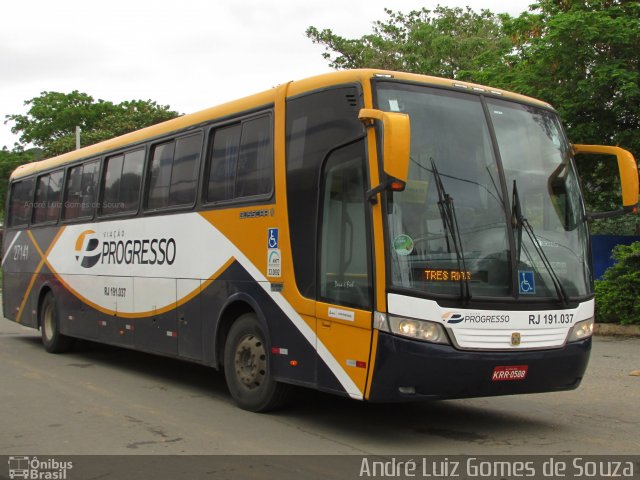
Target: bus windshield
(479,220)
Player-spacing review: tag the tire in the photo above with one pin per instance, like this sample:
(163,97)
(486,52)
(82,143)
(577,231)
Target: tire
(247,370)
(52,339)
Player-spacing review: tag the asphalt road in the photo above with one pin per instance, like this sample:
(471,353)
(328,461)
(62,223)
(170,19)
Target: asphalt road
(104,400)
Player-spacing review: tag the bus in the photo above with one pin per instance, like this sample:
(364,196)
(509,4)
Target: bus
(379,235)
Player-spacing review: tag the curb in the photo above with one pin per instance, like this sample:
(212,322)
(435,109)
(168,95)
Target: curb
(613,330)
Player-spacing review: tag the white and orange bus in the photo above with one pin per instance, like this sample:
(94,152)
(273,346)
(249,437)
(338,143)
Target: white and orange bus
(379,235)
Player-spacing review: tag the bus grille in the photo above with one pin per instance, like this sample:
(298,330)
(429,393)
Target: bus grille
(501,339)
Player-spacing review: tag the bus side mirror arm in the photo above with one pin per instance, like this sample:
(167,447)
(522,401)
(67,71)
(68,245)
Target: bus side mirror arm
(628,178)
(396,144)
(611,214)
(388,184)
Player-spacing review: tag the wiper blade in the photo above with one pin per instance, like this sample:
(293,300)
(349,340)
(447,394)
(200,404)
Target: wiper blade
(450,223)
(521,223)
(516,220)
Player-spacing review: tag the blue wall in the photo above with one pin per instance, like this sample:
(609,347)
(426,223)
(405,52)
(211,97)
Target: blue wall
(602,246)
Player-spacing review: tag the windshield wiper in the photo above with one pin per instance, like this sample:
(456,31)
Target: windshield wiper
(450,223)
(517,220)
(520,223)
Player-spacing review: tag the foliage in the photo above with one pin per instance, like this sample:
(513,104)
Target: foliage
(447,42)
(582,57)
(52,118)
(618,293)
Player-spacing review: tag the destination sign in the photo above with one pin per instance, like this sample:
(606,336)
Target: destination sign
(445,275)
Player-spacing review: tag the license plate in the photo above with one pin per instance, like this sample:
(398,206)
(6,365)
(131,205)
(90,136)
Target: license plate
(511,372)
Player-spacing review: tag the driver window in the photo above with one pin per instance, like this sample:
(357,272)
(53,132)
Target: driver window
(343,262)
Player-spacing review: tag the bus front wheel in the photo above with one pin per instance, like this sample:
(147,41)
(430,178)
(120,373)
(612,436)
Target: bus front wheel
(246,368)
(52,339)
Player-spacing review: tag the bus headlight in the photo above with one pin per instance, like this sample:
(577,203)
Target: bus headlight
(581,330)
(418,329)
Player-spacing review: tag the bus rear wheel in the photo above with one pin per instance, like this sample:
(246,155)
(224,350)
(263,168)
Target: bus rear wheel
(246,368)
(52,339)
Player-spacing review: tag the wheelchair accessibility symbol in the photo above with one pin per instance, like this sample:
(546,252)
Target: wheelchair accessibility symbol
(527,282)
(272,240)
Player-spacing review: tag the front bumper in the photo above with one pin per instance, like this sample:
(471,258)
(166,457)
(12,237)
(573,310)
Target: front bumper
(440,371)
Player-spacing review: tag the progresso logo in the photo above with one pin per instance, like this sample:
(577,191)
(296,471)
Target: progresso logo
(91,250)
(475,318)
(452,317)
(87,249)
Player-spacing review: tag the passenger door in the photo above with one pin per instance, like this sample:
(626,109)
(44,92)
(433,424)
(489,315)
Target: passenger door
(343,309)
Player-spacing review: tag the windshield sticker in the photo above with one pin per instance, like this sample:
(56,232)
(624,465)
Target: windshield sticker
(403,245)
(274,267)
(272,238)
(526,282)
(416,191)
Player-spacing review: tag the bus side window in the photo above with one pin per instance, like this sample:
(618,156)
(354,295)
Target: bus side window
(80,191)
(160,175)
(20,202)
(344,262)
(186,166)
(111,184)
(121,182)
(255,163)
(222,167)
(47,202)
(131,179)
(173,172)
(241,161)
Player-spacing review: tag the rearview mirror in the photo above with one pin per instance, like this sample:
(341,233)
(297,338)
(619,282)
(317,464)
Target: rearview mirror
(628,177)
(396,144)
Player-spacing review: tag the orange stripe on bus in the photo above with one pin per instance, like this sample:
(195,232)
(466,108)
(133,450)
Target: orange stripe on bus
(372,363)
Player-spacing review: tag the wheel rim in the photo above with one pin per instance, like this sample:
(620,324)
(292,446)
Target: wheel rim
(48,322)
(251,361)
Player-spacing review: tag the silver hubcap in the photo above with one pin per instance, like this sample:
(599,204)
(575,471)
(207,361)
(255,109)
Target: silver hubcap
(47,323)
(251,361)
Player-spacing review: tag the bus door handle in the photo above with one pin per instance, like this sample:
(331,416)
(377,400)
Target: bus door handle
(326,323)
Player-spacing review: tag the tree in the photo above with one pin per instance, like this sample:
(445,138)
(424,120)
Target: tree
(52,118)
(618,291)
(447,42)
(583,57)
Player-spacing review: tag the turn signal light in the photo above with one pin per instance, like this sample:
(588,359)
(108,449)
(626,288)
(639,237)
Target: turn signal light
(397,186)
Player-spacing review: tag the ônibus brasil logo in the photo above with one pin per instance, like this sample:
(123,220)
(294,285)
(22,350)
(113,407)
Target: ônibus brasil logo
(90,250)
(452,317)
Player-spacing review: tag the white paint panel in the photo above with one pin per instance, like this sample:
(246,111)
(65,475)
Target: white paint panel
(116,294)
(132,248)
(492,329)
(153,294)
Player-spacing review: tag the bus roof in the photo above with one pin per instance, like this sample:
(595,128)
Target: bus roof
(292,89)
